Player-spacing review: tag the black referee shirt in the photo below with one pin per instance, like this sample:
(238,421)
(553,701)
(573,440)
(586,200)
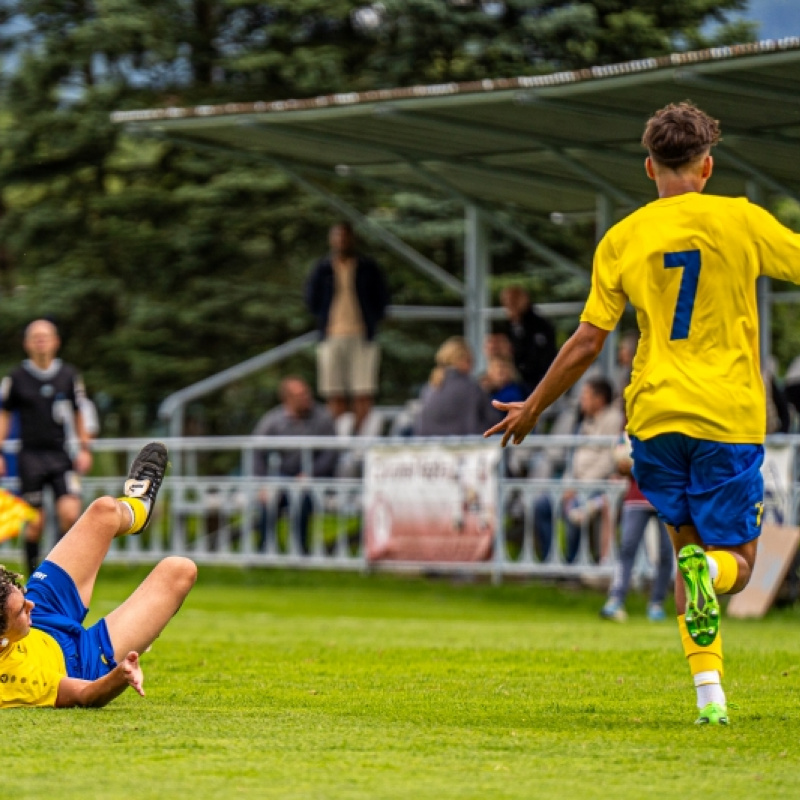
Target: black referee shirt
(43,399)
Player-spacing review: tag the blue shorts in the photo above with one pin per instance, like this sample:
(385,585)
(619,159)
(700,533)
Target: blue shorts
(716,487)
(59,611)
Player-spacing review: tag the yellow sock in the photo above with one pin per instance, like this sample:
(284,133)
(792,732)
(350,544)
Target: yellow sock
(701,659)
(139,509)
(727,570)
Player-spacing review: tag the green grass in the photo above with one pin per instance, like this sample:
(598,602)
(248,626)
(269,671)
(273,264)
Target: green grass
(287,685)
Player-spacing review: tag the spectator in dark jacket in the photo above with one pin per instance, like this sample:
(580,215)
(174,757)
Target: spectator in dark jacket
(532,337)
(348,295)
(453,403)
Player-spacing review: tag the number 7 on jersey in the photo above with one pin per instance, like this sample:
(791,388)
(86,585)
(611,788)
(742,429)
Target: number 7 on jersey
(690,261)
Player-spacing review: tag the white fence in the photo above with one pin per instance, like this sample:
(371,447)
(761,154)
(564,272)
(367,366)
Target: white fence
(214,508)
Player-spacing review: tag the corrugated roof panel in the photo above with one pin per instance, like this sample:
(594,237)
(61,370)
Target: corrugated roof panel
(550,142)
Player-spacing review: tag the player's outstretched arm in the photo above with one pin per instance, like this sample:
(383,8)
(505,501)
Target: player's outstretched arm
(574,358)
(95,694)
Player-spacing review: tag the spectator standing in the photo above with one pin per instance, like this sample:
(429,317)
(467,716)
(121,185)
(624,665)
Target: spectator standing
(347,294)
(48,395)
(533,338)
(297,415)
(453,404)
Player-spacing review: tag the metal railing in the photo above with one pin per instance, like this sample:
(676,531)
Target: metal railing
(214,508)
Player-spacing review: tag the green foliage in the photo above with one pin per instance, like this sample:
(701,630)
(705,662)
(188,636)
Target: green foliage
(270,684)
(162,265)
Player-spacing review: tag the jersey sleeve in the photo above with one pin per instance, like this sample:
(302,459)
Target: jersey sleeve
(606,299)
(778,247)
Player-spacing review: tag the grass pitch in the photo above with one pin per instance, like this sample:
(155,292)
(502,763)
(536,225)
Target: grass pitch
(291,685)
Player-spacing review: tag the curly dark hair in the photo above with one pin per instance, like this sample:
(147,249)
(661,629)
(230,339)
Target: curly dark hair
(8,582)
(679,133)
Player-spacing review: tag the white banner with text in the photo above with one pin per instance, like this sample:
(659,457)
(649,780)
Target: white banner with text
(430,503)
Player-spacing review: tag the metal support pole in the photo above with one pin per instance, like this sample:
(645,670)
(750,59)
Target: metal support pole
(476,272)
(603,221)
(755,194)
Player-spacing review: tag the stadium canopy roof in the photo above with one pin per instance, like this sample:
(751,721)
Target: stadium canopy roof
(567,143)
(548,143)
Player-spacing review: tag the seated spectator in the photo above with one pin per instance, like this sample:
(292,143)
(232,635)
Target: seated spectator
(501,382)
(453,403)
(297,415)
(601,417)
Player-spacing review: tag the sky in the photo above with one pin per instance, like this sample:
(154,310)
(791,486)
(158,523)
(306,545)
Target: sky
(777,18)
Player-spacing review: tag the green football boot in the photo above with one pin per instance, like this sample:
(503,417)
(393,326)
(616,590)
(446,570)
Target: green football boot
(713,714)
(702,606)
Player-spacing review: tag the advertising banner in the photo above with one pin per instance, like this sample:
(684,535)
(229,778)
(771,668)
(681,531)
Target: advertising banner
(430,503)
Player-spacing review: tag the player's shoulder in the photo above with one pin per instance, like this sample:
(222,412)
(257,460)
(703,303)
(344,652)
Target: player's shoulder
(715,203)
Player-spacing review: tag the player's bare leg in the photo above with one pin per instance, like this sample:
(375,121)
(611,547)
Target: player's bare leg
(82,549)
(136,624)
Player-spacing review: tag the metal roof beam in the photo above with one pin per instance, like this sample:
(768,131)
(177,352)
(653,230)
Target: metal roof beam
(688,77)
(626,116)
(406,154)
(740,164)
(751,171)
(454,126)
(499,222)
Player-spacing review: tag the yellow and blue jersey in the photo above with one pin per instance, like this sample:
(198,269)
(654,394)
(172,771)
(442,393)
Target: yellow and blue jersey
(30,671)
(689,264)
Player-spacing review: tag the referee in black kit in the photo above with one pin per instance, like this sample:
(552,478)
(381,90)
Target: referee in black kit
(47,393)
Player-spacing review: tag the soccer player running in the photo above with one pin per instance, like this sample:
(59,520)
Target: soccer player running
(688,264)
(47,657)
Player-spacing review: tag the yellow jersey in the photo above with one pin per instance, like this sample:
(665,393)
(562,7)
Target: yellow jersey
(30,671)
(689,264)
